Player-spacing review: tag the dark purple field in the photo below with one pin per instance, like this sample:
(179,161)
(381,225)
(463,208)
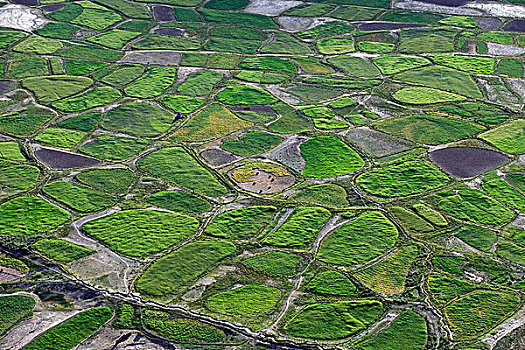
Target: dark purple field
(6,85)
(515,26)
(169,31)
(216,157)
(465,162)
(25,2)
(261,109)
(387,26)
(163,13)
(64,160)
(52,7)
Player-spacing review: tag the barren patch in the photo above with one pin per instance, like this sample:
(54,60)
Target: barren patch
(20,17)
(271,7)
(162,58)
(378,143)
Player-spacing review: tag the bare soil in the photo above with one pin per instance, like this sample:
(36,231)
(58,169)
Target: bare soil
(20,17)
(262,182)
(162,58)
(288,153)
(271,7)
(378,143)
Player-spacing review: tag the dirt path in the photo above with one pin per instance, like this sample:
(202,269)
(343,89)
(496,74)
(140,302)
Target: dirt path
(103,268)
(516,321)
(29,329)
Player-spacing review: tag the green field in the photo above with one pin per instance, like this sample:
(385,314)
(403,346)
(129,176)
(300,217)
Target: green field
(274,263)
(61,250)
(474,206)
(408,331)
(175,165)
(362,239)
(138,119)
(180,329)
(249,300)
(402,180)
(71,332)
(141,233)
(509,137)
(13,309)
(212,122)
(78,197)
(167,275)
(261,174)
(332,283)
(115,180)
(429,129)
(300,229)
(27,216)
(179,201)
(328,156)
(332,321)
(240,223)
(388,276)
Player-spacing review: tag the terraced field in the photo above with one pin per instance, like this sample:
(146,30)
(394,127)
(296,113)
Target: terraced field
(262,174)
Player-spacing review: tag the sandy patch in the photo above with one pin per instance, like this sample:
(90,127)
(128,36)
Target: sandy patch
(288,153)
(271,7)
(424,7)
(499,10)
(504,50)
(378,143)
(21,17)
(518,85)
(295,24)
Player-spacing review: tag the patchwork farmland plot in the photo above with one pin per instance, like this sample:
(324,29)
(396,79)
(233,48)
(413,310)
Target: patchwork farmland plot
(252,174)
